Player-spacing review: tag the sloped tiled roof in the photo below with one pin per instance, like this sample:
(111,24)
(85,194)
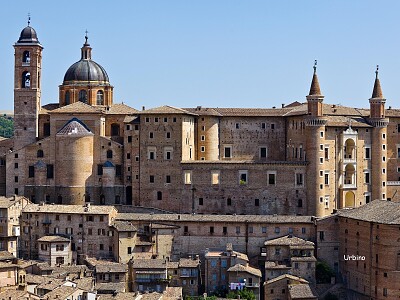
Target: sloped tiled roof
(149,264)
(115,287)
(288,240)
(247,269)
(204,111)
(252,112)
(77,107)
(124,226)
(49,107)
(7,202)
(189,263)
(301,291)
(119,109)
(61,292)
(5,255)
(378,211)
(53,238)
(69,209)
(286,277)
(166,109)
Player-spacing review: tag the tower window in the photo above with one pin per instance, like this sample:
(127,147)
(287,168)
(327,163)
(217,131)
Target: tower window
(26,57)
(67,98)
(83,96)
(26,79)
(40,153)
(100,98)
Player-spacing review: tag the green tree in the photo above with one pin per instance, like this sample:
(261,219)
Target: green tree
(244,294)
(323,272)
(6,126)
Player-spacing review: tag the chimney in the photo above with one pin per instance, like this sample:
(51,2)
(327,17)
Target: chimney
(143,107)
(283,105)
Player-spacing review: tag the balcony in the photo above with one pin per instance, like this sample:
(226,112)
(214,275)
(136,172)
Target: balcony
(189,273)
(46,222)
(152,280)
(252,285)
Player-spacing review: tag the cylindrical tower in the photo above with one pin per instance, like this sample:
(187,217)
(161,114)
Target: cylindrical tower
(74,166)
(379,141)
(315,125)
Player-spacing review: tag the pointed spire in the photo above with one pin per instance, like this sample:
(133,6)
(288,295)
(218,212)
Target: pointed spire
(315,90)
(377,92)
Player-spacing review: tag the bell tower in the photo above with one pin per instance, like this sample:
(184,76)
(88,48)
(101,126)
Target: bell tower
(27,77)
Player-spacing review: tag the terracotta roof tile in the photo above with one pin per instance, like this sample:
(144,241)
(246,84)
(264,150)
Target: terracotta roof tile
(53,238)
(247,269)
(166,109)
(301,291)
(119,109)
(288,240)
(77,107)
(378,211)
(69,209)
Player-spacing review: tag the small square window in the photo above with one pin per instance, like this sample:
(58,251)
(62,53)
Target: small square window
(203,137)
(156,119)
(165,120)
(237,125)
(147,119)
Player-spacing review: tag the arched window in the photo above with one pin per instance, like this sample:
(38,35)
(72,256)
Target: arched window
(159,195)
(100,98)
(67,98)
(26,57)
(83,96)
(102,199)
(109,154)
(114,129)
(26,80)
(40,153)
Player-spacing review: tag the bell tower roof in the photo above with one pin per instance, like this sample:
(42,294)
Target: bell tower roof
(377,92)
(28,35)
(315,90)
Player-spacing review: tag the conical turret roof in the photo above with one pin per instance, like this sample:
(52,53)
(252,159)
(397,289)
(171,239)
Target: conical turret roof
(315,90)
(377,92)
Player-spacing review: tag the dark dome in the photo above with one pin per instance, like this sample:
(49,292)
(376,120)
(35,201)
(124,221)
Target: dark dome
(28,35)
(86,70)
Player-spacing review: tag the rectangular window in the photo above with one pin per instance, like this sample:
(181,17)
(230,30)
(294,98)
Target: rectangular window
(168,135)
(263,152)
(31,171)
(168,153)
(99,170)
(130,139)
(237,125)
(367,152)
(264,229)
(151,153)
(277,230)
(227,151)
(256,202)
(326,201)
(16,165)
(50,171)
(215,177)
(367,177)
(263,125)
(272,126)
(326,177)
(211,229)
(147,119)
(151,179)
(271,178)
(237,229)
(243,177)
(156,119)
(200,201)
(326,153)
(129,250)
(168,179)
(151,135)
(321,160)
(187,177)
(203,137)
(202,148)
(367,197)
(299,179)
(118,170)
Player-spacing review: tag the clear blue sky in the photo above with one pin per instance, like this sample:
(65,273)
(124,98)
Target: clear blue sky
(223,53)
